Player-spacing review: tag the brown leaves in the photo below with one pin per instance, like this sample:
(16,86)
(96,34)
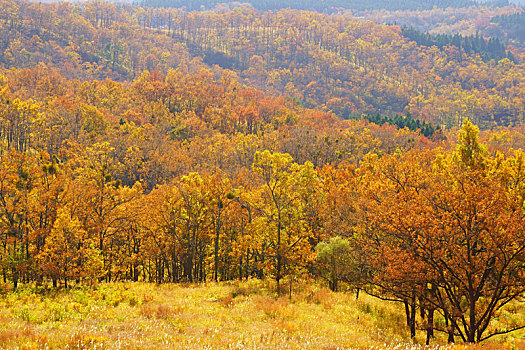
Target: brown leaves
(455,224)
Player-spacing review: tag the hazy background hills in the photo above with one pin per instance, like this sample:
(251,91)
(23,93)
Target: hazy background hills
(328,5)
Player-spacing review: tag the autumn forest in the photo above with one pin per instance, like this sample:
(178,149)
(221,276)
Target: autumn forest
(264,151)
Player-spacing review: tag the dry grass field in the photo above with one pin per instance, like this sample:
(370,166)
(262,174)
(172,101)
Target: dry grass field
(234,315)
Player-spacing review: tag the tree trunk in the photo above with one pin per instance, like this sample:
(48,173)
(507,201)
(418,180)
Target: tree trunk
(135,272)
(291,282)
(430,326)
(188,265)
(450,328)
(410,310)
(279,257)
(240,268)
(216,253)
(15,278)
(202,270)
(471,335)
(247,265)
(413,318)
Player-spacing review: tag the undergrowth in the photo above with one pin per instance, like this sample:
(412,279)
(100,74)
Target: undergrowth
(234,315)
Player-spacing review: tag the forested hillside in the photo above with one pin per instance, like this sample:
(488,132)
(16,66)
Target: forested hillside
(332,62)
(321,6)
(493,49)
(491,22)
(513,26)
(164,146)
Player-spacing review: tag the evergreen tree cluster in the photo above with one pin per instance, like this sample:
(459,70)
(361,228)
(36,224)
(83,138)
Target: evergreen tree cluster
(265,5)
(513,25)
(495,3)
(489,49)
(400,121)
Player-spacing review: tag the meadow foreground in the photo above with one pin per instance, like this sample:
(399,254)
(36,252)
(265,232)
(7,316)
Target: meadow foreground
(231,315)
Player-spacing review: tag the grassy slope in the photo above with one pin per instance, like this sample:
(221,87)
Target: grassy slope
(233,315)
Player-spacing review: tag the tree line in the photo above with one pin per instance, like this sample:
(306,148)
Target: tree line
(491,49)
(401,121)
(332,62)
(513,26)
(330,5)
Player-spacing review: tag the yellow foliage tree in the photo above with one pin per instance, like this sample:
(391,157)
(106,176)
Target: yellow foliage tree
(68,252)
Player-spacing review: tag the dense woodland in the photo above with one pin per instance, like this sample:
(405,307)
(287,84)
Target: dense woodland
(513,26)
(493,49)
(490,22)
(321,6)
(405,121)
(169,146)
(332,62)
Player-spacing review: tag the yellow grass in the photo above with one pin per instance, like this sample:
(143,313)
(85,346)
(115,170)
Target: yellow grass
(231,315)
